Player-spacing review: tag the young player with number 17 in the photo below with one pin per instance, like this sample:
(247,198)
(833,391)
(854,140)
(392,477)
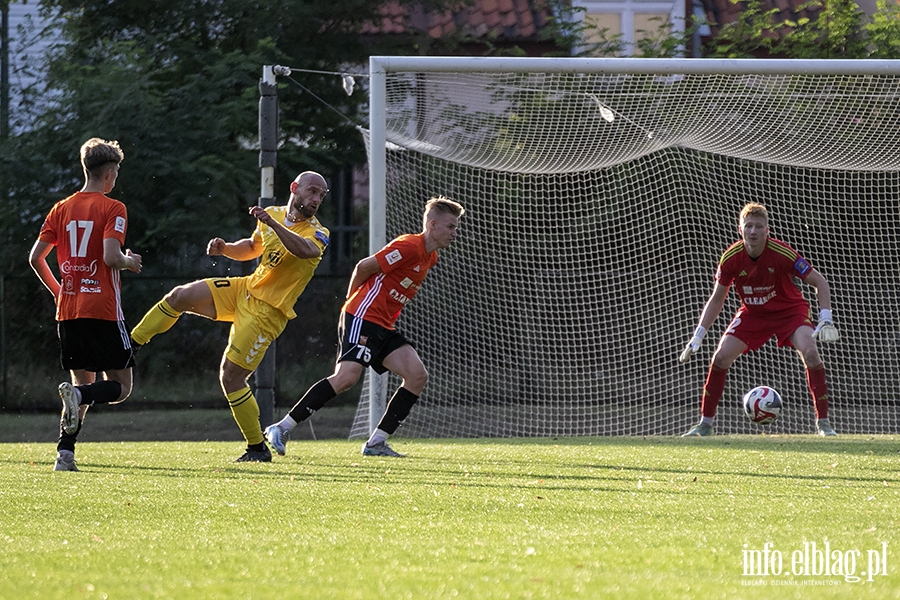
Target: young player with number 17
(87,229)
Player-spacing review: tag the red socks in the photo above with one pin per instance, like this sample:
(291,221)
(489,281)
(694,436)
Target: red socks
(712,391)
(815,379)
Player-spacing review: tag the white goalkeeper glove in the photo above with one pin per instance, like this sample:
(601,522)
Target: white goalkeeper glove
(693,345)
(826,331)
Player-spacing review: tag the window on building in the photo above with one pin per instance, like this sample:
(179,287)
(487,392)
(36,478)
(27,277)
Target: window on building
(629,18)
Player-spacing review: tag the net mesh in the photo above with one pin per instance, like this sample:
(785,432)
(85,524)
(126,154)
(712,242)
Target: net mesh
(597,209)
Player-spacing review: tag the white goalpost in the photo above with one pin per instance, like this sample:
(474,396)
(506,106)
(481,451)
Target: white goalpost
(600,194)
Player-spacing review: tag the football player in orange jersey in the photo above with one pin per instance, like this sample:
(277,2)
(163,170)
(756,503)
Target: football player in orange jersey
(87,229)
(381,285)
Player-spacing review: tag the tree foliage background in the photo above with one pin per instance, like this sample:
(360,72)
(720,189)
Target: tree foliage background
(176,82)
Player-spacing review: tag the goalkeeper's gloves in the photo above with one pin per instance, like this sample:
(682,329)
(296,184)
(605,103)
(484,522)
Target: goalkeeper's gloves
(826,331)
(693,345)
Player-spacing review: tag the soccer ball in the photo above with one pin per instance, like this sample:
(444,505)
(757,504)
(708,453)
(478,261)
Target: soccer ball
(762,405)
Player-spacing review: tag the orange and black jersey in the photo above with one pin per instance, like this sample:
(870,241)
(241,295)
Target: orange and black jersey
(404,263)
(77,226)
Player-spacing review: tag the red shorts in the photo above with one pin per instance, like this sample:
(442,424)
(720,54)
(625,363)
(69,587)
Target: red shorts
(756,330)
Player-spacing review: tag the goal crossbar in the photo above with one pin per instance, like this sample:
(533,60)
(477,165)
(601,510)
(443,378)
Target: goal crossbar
(661,66)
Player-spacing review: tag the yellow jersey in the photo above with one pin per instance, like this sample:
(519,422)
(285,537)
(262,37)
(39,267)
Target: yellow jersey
(281,277)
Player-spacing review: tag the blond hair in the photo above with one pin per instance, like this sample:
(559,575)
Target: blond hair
(442,205)
(754,209)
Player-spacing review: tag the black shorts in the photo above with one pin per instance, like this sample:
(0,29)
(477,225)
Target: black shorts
(366,343)
(94,345)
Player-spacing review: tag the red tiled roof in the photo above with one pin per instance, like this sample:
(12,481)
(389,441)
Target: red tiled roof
(505,19)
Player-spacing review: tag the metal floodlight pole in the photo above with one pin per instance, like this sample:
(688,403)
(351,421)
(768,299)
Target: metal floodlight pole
(264,378)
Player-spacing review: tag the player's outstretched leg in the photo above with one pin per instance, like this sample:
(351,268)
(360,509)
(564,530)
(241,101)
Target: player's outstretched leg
(315,398)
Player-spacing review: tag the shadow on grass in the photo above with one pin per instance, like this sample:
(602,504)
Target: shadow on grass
(107,424)
(534,464)
(880,444)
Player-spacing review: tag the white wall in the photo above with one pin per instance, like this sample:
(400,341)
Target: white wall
(25,49)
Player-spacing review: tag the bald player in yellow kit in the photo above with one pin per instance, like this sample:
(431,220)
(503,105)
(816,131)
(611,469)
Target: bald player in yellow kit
(289,240)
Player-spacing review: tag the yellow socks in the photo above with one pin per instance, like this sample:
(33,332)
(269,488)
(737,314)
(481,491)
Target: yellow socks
(158,319)
(246,414)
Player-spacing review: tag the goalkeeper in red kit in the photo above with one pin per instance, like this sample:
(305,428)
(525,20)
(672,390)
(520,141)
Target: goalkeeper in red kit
(763,271)
(381,285)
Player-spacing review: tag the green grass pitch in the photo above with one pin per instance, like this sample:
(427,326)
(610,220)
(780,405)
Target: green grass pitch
(727,517)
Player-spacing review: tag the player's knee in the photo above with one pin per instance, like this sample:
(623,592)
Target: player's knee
(722,361)
(346,375)
(124,391)
(232,382)
(175,298)
(180,298)
(343,380)
(810,357)
(416,379)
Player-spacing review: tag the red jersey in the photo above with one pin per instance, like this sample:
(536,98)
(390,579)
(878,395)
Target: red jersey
(766,284)
(77,226)
(404,264)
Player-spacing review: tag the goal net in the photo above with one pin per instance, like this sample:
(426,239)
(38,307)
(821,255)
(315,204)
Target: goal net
(600,194)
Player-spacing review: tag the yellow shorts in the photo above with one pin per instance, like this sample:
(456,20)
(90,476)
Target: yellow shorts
(254,323)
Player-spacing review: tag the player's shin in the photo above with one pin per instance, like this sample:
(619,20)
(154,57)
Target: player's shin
(314,399)
(713,390)
(245,411)
(158,319)
(815,380)
(67,441)
(397,410)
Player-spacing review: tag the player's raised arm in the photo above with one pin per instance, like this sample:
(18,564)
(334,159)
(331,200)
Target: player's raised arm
(297,245)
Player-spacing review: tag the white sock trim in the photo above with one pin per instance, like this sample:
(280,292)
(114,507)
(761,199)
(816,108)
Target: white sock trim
(378,436)
(287,423)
